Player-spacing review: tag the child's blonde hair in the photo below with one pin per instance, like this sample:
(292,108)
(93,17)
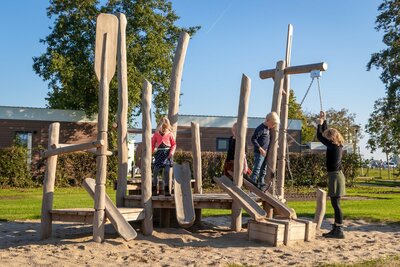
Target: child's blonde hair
(334,136)
(164,125)
(273,117)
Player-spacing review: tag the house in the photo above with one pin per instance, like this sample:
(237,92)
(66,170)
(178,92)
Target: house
(30,126)
(216,130)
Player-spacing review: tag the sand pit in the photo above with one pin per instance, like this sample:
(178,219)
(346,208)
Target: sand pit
(213,245)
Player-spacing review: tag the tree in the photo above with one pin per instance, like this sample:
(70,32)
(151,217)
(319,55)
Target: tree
(388,60)
(379,128)
(295,112)
(67,64)
(343,121)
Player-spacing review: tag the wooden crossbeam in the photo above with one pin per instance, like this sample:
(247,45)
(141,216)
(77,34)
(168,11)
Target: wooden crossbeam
(322,66)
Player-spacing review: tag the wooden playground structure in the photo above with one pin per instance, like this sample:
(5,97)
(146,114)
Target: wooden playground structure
(273,222)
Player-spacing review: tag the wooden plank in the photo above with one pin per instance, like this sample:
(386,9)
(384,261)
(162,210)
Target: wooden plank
(116,218)
(183,195)
(269,232)
(310,229)
(280,207)
(252,208)
(71,148)
(48,183)
(322,66)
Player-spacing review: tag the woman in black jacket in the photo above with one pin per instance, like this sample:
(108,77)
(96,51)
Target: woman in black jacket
(333,141)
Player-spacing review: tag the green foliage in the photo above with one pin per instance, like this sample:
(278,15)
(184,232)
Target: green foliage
(385,120)
(295,112)
(212,164)
(380,128)
(306,169)
(342,120)
(13,167)
(73,168)
(67,64)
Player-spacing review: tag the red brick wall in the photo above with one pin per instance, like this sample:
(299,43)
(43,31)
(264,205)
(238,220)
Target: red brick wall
(70,132)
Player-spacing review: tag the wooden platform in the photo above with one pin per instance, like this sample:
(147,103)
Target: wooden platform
(200,201)
(276,232)
(85,215)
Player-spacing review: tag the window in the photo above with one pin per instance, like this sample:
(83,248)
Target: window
(222,144)
(25,139)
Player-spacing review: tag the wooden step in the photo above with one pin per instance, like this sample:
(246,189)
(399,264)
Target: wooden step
(85,215)
(276,232)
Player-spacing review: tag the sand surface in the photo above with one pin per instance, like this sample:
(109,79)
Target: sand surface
(212,245)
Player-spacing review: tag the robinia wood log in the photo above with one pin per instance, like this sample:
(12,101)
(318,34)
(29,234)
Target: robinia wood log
(122,137)
(105,58)
(245,87)
(266,74)
(147,223)
(48,183)
(176,77)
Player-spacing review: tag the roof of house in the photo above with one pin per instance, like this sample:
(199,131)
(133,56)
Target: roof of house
(228,121)
(44,114)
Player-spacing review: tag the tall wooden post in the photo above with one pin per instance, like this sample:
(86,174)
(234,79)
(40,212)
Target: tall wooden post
(240,144)
(197,173)
(176,77)
(48,183)
(276,107)
(175,87)
(147,223)
(105,59)
(122,112)
(284,121)
(196,151)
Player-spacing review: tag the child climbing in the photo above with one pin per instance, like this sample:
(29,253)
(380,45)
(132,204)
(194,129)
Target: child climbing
(261,140)
(163,146)
(230,157)
(333,141)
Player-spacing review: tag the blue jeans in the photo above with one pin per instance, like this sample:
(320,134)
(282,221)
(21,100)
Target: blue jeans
(259,169)
(157,170)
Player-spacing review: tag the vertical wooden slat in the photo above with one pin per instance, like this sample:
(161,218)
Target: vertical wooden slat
(147,224)
(48,183)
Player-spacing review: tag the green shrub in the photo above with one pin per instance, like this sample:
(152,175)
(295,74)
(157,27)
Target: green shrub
(306,169)
(73,168)
(13,167)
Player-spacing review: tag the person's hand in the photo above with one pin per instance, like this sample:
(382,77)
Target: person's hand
(262,152)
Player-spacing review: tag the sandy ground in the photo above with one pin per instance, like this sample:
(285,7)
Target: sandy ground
(213,245)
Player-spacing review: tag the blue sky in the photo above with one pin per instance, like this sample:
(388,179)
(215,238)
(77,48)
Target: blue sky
(236,37)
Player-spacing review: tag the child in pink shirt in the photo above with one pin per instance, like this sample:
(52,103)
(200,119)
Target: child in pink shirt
(163,145)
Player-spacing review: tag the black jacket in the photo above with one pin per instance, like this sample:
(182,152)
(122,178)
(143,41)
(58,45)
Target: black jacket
(333,151)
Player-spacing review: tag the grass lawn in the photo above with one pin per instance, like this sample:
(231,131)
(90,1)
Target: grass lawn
(23,204)
(383,205)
